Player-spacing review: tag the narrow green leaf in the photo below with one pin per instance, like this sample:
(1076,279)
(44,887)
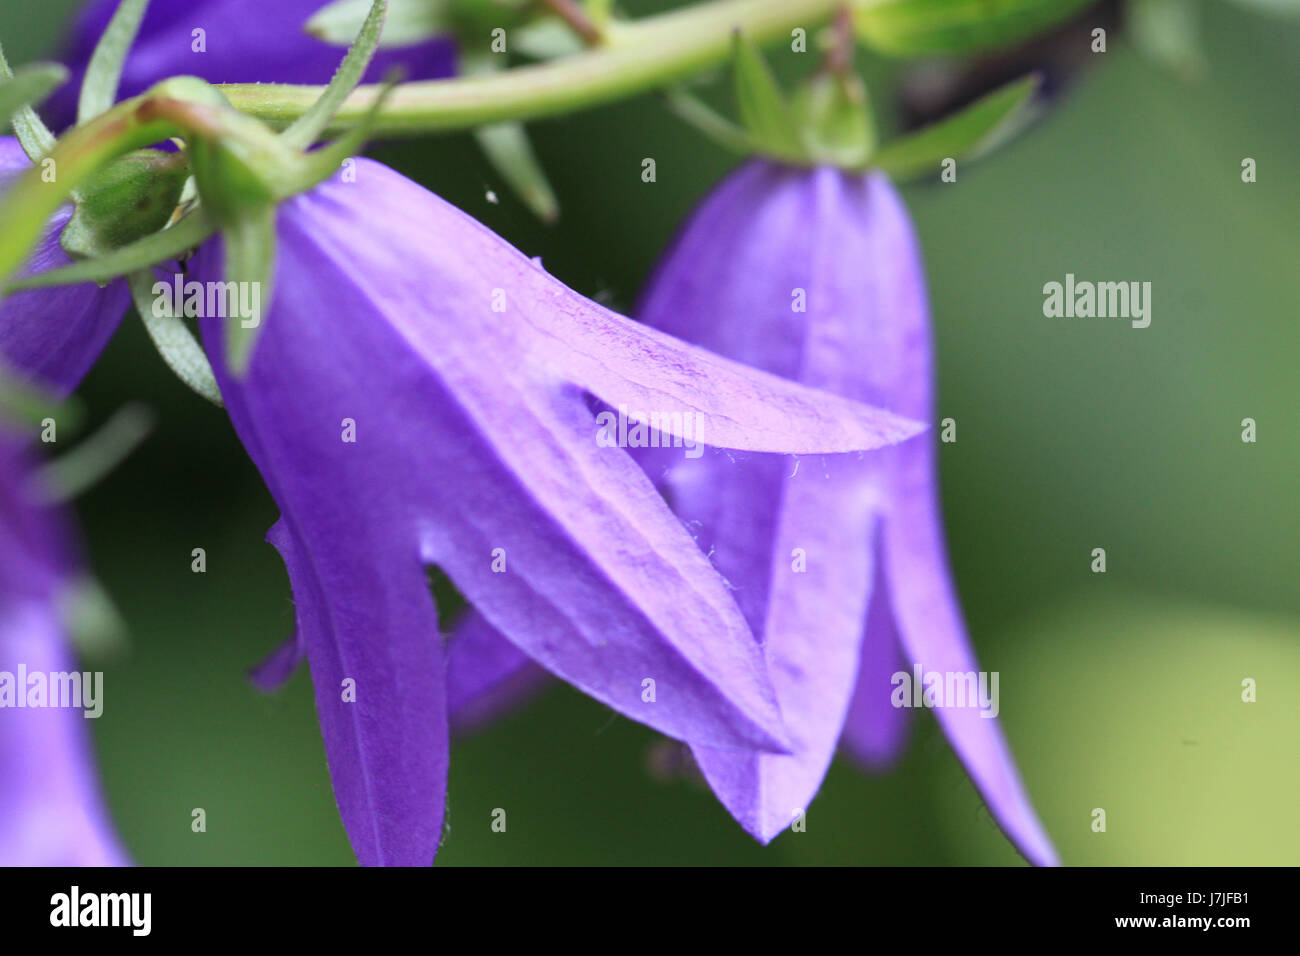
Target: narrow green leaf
(250,257)
(96,456)
(919,27)
(1168,33)
(33,135)
(693,110)
(149,251)
(307,128)
(24,402)
(173,339)
(763,109)
(91,620)
(31,84)
(969,132)
(409,22)
(104,71)
(319,165)
(507,148)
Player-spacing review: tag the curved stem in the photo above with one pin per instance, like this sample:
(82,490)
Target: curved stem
(634,58)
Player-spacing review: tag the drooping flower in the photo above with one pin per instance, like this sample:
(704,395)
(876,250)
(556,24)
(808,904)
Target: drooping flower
(229,41)
(54,336)
(51,813)
(419,396)
(838,562)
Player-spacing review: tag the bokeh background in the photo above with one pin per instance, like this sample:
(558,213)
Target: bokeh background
(1119,690)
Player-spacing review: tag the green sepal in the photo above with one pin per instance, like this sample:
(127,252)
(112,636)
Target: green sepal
(173,339)
(409,22)
(1168,33)
(764,113)
(104,71)
(249,243)
(97,454)
(833,113)
(919,27)
(971,132)
(507,148)
(170,243)
(33,135)
(307,128)
(31,84)
(132,197)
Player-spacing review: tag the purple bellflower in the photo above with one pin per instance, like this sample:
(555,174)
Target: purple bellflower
(420,396)
(838,562)
(51,813)
(241,41)
(53,336)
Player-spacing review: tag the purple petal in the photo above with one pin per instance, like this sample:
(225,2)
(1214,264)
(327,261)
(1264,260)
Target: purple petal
(54,335)
(51,812)
(245,41)
(926,607)
(875,731)
(812,594)
(486,674)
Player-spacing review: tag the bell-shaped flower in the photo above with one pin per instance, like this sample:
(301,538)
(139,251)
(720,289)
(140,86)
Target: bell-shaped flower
(51,813)
(419,396)
(838,562)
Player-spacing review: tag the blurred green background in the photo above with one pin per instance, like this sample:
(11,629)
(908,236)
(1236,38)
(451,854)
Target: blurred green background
(1119,691)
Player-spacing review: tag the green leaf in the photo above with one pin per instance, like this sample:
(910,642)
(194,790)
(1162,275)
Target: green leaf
(763,109)
(91,619)
(250,257)
(31,84)
(307,128)
(173,339)
(104,71)
(972,131)
(162,246)
(317,166)
(507,148)
(918,27)
(96,456)
(33,135)
(409,22)
(716,127)
(27,403)
(1168,33)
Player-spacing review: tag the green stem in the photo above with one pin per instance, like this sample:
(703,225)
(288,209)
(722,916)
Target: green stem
(634,58)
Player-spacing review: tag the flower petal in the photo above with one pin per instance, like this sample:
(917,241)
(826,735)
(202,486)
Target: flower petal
(811,599)
(875,731)
(51,812)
